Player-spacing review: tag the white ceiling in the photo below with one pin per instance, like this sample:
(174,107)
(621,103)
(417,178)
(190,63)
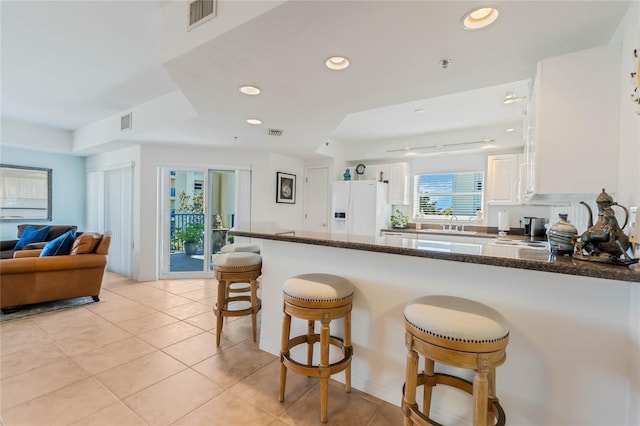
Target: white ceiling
(70,64)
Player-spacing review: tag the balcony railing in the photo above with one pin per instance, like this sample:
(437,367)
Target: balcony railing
(181,221)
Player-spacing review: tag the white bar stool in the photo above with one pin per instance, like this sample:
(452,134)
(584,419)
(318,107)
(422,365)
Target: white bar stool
(460,333)
(231,268)
(317,297)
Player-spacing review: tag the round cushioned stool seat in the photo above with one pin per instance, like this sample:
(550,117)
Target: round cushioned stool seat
(455,322)
(322,298)
(234,248)
(237,260)
(234,268)
(313,288)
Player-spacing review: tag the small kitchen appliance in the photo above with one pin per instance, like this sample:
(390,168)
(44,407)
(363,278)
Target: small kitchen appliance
(534,226)
(503,223)
(527,225)
(537,226)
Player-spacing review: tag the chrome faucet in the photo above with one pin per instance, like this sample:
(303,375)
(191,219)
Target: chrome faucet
(451,221)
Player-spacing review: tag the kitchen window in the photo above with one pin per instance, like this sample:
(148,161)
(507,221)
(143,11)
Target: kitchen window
(445,194)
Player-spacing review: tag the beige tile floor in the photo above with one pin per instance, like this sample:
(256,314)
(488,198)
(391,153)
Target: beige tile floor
(146,355)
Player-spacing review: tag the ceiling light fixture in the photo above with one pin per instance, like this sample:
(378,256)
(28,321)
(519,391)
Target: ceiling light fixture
(511,97)
(254,121)
(250,90)
(510,129)
(484,141)
(419,111)
(480,18)
(337,63)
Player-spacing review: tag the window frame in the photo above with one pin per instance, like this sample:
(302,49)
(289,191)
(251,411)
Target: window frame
(415,197)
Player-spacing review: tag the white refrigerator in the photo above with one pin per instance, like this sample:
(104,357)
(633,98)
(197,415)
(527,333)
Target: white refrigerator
(359,207)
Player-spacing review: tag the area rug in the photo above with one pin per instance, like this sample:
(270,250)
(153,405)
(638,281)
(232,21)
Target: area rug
(44,308)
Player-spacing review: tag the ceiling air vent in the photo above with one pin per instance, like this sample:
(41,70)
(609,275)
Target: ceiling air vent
(126,122)
(274,132)
(201,11)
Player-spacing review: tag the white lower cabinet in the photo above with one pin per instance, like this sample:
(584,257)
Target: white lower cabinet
(399,234)
(450,238)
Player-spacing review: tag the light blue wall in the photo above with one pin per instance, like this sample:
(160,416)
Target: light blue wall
(69,187)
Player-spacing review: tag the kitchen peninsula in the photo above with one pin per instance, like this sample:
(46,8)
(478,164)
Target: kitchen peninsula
(571,357)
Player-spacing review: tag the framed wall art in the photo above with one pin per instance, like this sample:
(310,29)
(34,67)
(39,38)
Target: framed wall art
(25,193)
(285,188)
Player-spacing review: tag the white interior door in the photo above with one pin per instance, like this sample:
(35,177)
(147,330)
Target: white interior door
(316,199)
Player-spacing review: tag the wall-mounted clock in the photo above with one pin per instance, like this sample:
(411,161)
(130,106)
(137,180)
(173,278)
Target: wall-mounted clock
(360,169)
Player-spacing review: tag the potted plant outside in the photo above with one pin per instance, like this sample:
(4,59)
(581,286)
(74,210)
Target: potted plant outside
(190,237)
(399,220)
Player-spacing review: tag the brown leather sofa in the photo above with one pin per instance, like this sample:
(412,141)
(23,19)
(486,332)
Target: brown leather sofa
(7,247)
(28,278)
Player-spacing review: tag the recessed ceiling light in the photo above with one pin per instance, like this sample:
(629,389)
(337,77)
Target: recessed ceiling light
(419,110)
(337,63)
(250,90)
(510,129)
(480,18)
(254,121)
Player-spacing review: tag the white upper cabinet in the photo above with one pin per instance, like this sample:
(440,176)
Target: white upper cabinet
(398,176)
(503,179)
(572,134)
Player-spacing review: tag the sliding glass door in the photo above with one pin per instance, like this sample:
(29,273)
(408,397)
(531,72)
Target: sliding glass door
(199,208)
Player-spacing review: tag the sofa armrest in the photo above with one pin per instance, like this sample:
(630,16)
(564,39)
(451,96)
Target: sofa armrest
(27,253)
(7,244)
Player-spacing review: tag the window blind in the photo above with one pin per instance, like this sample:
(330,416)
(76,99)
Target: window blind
(118,186)
(445,194)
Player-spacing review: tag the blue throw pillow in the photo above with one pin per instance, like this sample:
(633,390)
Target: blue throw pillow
(60,246)
(32,235)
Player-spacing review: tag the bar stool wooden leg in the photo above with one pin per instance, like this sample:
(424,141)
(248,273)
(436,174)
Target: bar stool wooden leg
(284,351)
(480,395)
(254,304)
(411,380)
(310,341)
(324,368)
(347,347)
(493,412)
(427,391)
(222,291)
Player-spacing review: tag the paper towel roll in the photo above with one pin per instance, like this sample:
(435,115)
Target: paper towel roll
(503,221)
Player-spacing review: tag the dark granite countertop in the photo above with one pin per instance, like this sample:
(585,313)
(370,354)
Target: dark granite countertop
(495,252)
(470,231)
